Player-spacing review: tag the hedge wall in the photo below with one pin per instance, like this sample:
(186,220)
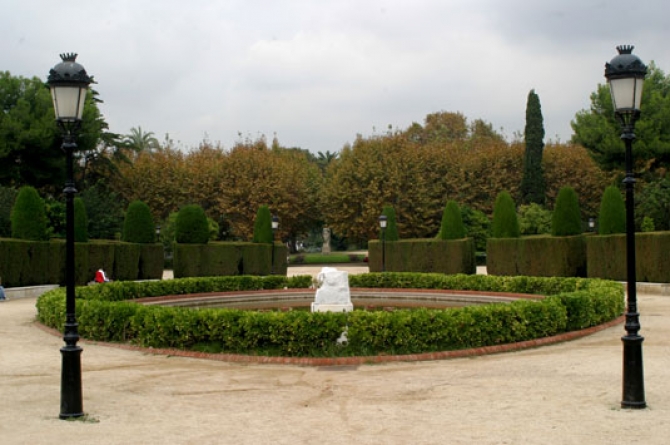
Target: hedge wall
(31,263)
(224,259)
(606,257)
(424,255)
(571,303)
(540,256)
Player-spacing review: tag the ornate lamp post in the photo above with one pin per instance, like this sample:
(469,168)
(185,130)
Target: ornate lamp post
(382,224)
(275,226)
(625,73)
(69,82)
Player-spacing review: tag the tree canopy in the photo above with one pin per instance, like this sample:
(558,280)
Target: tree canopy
(598,131)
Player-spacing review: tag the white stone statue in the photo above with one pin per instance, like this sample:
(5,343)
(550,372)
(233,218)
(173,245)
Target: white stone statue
(333,292)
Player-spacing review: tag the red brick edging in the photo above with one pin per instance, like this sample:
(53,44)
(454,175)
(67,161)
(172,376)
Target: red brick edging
(340,361)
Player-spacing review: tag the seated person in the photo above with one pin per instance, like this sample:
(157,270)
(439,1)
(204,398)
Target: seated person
(101,277)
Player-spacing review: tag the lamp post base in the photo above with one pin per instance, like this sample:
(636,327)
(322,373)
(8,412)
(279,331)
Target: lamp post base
(71,405)
(633,373)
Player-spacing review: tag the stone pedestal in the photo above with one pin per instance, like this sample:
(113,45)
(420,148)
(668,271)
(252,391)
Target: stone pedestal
(333,294)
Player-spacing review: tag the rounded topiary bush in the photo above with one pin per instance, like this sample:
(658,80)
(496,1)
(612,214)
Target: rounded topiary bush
(263,226)
(29,218)
(612,217)
(505,221)
(391,233)
(452,222)
(566,220)
(138,226)
(191,226)
(80,221)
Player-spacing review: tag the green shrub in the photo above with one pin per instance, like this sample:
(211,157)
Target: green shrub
(29,220)
(612,218)
(191,226)
(138,226)
(566,220)
(103,315)
(505,222)
(534,219)
(647,224)
(263,226)
(654,201)
(391,233)
(477,226)
(80,221)
(452,222)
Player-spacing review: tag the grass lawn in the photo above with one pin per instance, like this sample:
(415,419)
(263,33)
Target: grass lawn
(332,258)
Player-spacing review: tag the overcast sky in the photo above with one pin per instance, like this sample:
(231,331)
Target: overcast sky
(317,73)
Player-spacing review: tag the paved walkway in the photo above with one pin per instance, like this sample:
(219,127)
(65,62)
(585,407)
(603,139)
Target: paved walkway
(567,393)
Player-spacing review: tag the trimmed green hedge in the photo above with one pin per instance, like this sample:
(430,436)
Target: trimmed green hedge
(424,255)
(571,303)
(228,258)
(541,256)
(606,257)
(31,263)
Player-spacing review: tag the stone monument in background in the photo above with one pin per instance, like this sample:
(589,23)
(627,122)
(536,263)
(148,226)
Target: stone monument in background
(326,241)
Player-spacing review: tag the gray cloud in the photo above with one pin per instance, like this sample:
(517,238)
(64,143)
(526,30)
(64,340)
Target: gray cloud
(318,73)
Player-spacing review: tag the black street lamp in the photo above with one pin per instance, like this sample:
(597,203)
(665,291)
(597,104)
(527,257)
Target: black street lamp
(625,73)
(275,226)
(382,224)
(592,224)
(69,82)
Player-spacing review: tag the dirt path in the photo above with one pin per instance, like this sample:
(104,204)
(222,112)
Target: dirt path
(563,394)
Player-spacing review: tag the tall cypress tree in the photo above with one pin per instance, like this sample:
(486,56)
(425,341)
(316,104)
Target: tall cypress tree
(533,185)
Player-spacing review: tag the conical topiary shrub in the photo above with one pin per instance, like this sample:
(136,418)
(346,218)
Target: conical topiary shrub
(505,221)
(452,222)
(138,226)
(566,220)
(191,226)
(28,217)
(391,233)
(263,226)
(612,217)
(80,221)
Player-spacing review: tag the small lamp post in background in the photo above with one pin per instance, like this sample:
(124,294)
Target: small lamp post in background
(69,83)
(592,224)
(625,74)
(275,226)
(382,224)
(158,233)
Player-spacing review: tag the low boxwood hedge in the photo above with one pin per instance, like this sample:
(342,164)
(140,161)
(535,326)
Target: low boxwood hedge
(106,313)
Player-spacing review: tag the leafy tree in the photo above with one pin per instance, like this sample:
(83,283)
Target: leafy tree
(391,232)
(80,221)
(598,130)
(654,202)
(7,198)
(141,141)
(566,220)
(105,210)
(505,223)
(263,226)
(29,139)
(191,226)
(138,226)
(612,217)
(29,220)
(533,185)
(55,210)
(452,222)
(323,160)
(534,219)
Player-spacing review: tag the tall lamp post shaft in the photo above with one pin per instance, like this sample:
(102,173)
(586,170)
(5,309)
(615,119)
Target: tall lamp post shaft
(71,404)
(633,372)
